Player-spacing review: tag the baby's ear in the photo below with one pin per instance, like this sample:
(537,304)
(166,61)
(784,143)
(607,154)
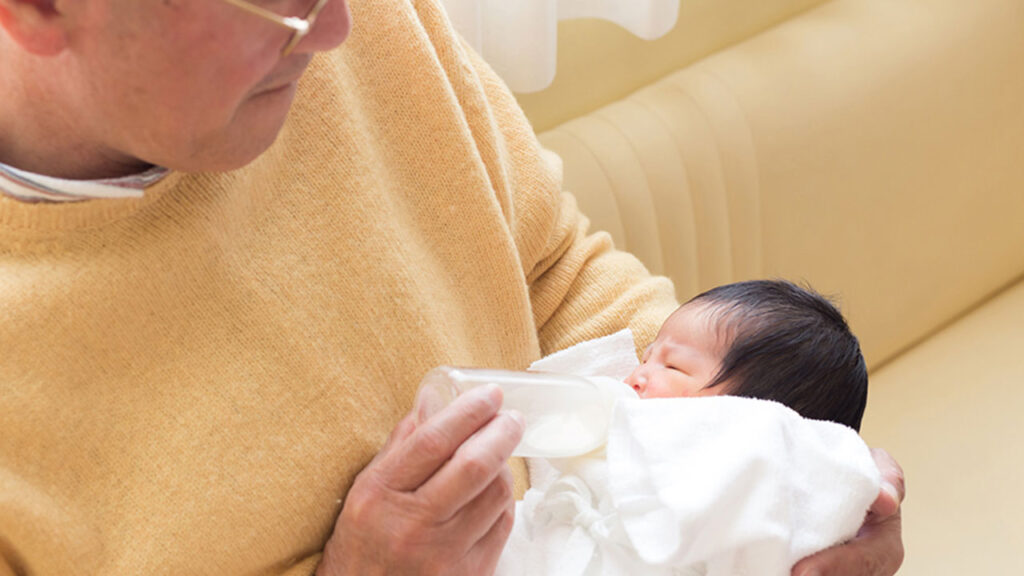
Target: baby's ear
(35,25)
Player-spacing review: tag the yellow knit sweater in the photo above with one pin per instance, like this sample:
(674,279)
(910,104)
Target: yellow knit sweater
(189,382)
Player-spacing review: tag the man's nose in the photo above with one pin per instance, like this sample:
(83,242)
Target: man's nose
(331,28)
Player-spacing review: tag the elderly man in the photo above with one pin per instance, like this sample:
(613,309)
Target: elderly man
(211,318)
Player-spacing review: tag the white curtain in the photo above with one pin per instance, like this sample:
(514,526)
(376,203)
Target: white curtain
(519,38)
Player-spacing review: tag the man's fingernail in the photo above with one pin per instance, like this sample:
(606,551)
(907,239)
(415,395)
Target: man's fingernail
(517,417)
(491,392)
(891,491)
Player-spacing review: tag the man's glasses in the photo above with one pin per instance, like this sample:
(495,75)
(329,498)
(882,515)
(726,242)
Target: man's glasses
(300,27)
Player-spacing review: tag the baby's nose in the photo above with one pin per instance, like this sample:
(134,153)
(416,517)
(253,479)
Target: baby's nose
(637,380)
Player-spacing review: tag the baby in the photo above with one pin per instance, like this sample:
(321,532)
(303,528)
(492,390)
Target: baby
(693,485)
(766,339)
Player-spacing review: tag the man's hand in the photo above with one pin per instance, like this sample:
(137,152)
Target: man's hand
(437,499)
(877,550)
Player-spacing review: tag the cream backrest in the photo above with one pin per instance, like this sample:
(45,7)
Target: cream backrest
(874,148)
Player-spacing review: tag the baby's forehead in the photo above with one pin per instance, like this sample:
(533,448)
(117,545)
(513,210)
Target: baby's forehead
(698,315)
(709,321)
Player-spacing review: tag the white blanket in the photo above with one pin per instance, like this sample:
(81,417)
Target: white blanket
(720,486)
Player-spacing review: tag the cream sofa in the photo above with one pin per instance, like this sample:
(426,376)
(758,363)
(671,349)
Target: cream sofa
(874,148)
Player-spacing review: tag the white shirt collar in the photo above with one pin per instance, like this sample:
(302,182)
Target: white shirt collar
(31,187)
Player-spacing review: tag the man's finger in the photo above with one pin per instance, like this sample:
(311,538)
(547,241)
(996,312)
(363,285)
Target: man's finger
(876,551)
(847,560)
(403,430)
(476,518)
(484,554)
(413,461)
(474,466)
(893,488)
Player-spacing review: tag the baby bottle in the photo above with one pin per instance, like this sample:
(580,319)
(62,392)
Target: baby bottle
(565,415)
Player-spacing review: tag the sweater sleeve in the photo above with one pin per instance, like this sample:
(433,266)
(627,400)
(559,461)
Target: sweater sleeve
(580,286)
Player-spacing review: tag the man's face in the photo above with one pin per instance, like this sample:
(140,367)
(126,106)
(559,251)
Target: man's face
(189,84)
(684,358)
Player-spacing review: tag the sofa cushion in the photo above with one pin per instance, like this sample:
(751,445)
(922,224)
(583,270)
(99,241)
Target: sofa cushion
(950,412)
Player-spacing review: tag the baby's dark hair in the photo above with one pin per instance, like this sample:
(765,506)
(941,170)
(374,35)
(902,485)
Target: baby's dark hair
(791,345)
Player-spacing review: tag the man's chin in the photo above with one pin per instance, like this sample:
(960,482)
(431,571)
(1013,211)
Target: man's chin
(251,134)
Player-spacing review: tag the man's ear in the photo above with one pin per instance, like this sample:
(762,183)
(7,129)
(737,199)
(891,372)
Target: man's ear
(35,25)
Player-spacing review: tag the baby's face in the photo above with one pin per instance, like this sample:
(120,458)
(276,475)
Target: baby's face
(684,358)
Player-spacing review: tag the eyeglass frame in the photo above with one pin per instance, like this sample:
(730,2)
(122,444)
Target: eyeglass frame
(300,27)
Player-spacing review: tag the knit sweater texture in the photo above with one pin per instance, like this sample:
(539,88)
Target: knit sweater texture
(190,381)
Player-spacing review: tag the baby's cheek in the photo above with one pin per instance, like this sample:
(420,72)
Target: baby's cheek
(660,389)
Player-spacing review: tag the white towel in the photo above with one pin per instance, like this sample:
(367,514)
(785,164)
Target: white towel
(738,485)
(612,356)
(710,486)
